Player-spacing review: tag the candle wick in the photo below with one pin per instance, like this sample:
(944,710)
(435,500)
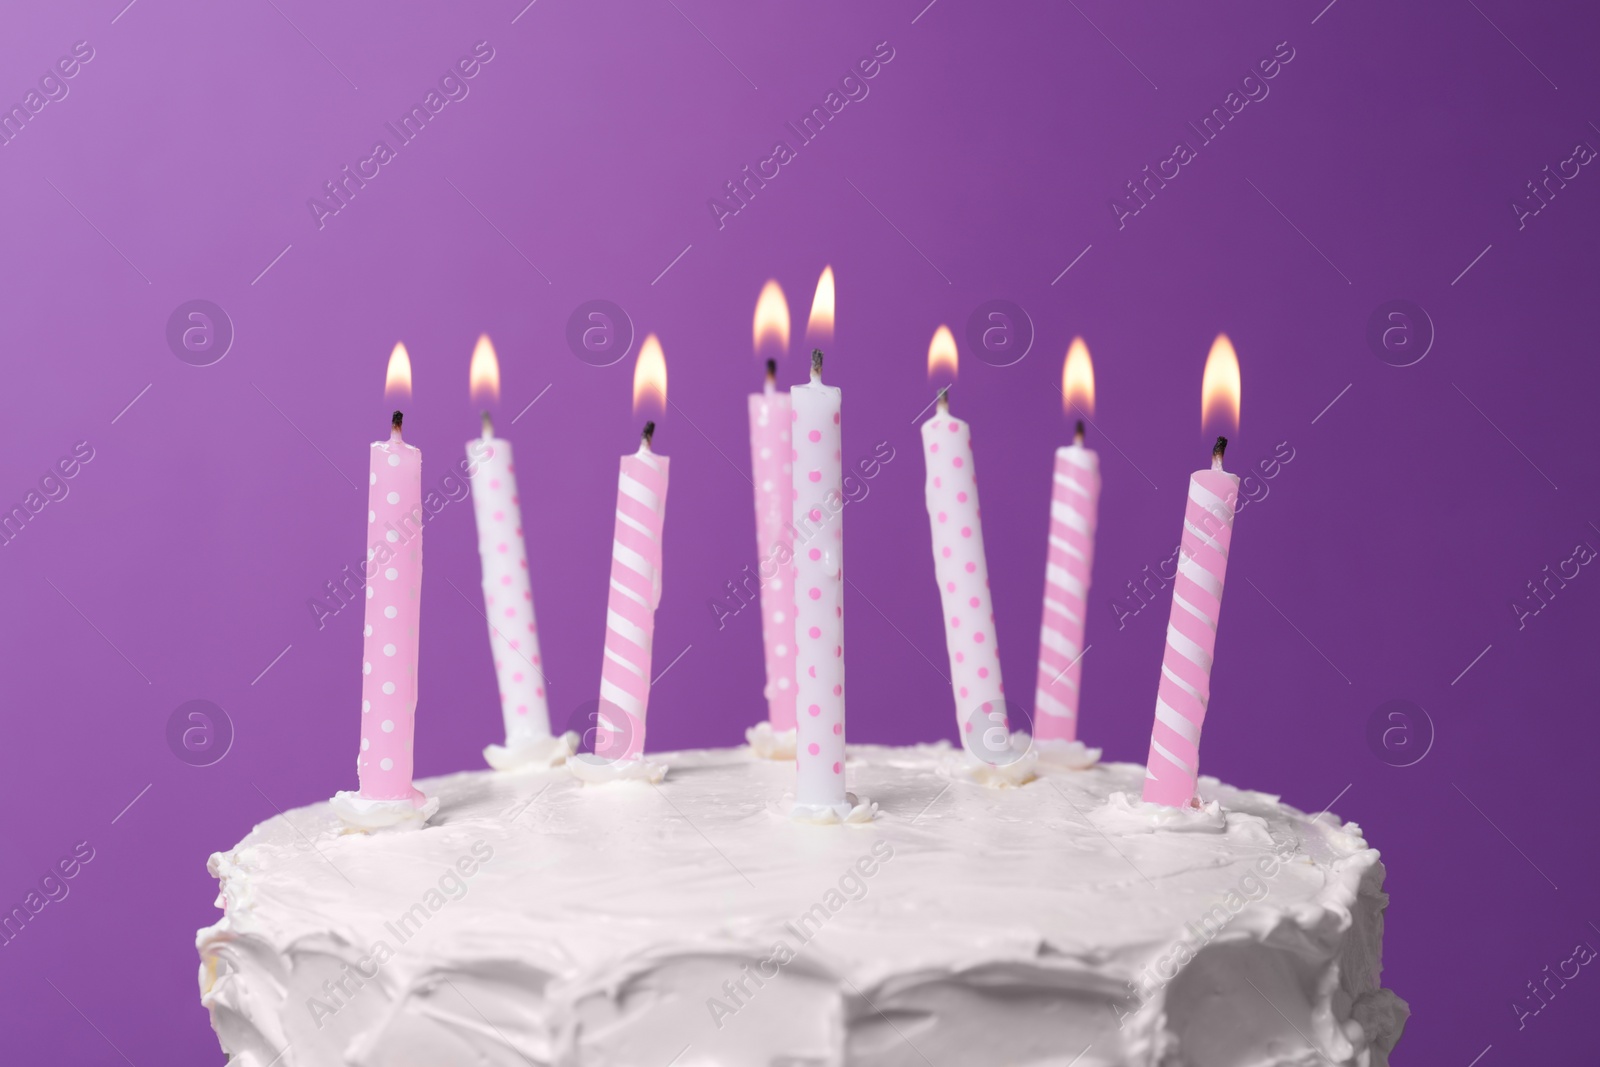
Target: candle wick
(1077,433)
(488,425)
(1216,453)
(644,438)
(772,371)
(816,364)
(396,420)
(944,400)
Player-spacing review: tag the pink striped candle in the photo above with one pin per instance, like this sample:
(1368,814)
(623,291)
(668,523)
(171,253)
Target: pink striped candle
(818,491)
(1074,509)
(962,570)
(631,607)
(770,450)
(1185,687)
(390,642)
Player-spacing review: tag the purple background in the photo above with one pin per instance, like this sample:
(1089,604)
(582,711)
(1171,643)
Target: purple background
(1385,558)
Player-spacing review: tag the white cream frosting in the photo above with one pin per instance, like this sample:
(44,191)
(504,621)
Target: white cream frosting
(768,743)
(853,811)
(365,815)
(1058,755)
(532,753)
(590,769)
(536,921)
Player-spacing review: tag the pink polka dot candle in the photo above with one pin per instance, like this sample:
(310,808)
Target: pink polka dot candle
(818,492)
(507,594)
(390,634)
(951,494)
(770,466)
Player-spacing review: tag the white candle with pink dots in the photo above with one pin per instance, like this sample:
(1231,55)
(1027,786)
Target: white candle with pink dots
(962,571)
(507,590)
(818,581)
(819,603)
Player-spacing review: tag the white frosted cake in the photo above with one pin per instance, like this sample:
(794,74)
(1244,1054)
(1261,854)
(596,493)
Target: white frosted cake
(540,921)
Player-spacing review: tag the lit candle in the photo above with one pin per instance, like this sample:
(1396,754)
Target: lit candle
(818,493)
(387,799)
(507,596)
(1074,507)
(770,468)
(635,593)
(951,495)
(1185,687)
(818,582)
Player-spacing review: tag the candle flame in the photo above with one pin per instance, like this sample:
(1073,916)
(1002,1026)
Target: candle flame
(397,382)
(772,321)
(819,329)
(1077,378)
(650,375)
(1219,387)
(483,378)
(942,352)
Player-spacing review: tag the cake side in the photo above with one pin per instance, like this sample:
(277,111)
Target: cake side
(539,922)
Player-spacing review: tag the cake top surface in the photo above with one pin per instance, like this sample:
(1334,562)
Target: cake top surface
(580,877)
(619,923)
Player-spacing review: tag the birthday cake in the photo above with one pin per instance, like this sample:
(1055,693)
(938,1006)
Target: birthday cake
(539,921)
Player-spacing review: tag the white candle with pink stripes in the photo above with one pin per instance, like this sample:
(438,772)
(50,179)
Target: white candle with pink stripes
(1074,513)
(1184,692)
(387,799)
(634,594)
(507,592)
(770,470)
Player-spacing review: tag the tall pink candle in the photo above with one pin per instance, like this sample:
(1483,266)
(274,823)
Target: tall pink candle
(1074,508)
(770,465)
(951,495)
(1185,688)
(393,614)
(635,593)
(818,492)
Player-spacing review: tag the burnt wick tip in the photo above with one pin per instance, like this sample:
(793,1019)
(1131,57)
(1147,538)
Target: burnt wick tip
(772,369)
(816,361)
(649,431)
(396,419)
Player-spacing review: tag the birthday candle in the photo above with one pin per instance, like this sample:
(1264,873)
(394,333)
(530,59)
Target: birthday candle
(635,585)
(951,495)
(770,466)
(818,593)
(507,594)
(1184,691)
(1074,508)
(390,640)
(393,572)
